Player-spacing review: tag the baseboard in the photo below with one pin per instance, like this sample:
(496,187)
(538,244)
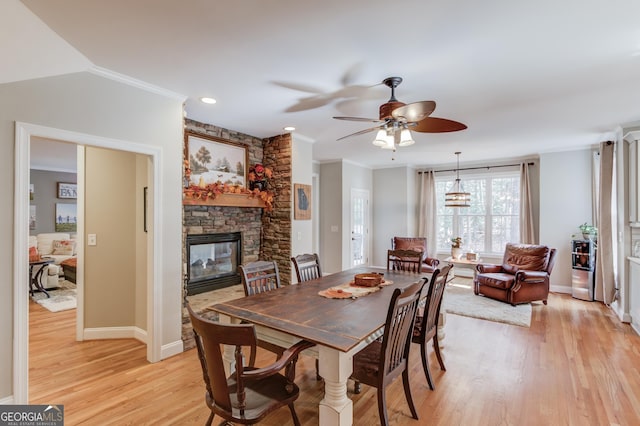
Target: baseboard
(560,289)
(115,333)
(8,400)
(171,349)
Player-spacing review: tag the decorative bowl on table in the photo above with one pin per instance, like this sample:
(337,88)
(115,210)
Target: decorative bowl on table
(368,280)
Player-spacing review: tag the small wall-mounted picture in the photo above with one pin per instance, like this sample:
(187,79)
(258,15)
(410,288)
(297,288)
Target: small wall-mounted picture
(66,217)
(302,201)
(31,190)
(32,217)
(67,190)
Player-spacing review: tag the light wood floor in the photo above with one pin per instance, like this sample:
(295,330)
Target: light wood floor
(576,365)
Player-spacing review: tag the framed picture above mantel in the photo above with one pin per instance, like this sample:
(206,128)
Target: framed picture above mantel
(213,159)
(216,174)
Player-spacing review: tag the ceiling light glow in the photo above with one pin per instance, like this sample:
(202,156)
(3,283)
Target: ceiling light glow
(208,100)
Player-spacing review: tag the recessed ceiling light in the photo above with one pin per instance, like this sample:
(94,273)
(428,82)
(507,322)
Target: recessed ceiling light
(289,128)
(208,100)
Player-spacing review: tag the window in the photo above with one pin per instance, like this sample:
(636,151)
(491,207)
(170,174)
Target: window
(493,218)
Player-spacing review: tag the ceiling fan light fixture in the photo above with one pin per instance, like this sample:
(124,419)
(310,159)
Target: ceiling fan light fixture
(405,138)
(390,143)
(381,138)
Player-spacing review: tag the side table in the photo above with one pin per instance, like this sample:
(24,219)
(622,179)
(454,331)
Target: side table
(35,280)
(463,263)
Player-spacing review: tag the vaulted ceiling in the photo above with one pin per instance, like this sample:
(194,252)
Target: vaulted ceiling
(525,77)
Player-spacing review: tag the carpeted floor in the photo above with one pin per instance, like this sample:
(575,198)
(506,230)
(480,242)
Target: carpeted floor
(62,298)
(459,299)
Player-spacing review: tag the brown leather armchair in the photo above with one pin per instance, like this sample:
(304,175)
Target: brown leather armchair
(522,277)
(429,264)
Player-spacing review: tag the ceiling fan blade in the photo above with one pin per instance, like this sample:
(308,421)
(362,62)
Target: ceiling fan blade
(361,132)
(438,125)
(299,87)
(415,111)
(309,103)
(370,120)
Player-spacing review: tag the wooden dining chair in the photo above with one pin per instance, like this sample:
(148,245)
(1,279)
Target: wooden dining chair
(426,325)
(259,276)
(307,267)
(404,260)
(382,361)
(249,394)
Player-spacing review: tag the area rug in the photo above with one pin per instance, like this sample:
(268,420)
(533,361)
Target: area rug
(62,298)
(459,299)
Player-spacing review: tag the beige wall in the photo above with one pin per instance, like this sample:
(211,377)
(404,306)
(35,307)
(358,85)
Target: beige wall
(94,105)
(142,238)
(111,212)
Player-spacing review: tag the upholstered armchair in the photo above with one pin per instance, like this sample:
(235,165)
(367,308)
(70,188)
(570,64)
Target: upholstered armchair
(522,277)
(429,264)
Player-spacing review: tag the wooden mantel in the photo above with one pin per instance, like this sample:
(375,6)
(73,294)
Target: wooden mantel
(229,200)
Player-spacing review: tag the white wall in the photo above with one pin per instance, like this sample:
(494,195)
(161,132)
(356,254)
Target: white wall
(337,179)
(93,105)
(331,217)
(353,177)
(394,209)
(302,171)
(565,203)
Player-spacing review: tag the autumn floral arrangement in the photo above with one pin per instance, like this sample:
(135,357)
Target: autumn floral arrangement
(258,175)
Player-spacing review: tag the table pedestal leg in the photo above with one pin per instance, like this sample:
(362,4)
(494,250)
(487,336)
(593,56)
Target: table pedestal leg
(228,352)
(335,368)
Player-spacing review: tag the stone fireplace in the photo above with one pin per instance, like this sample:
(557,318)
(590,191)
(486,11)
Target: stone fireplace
(264,235)
(212,261)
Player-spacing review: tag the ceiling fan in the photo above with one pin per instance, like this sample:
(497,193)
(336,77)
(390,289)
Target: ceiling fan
(397,119)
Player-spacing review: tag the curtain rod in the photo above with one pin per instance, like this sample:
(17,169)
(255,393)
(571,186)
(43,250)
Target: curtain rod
(478,168)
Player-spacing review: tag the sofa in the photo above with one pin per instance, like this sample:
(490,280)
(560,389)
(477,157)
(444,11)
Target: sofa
(58,246)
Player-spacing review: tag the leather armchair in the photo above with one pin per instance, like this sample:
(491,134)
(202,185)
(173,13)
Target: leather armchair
(522,277)
(429,264)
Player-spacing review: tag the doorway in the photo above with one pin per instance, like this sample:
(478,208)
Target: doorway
(359,252)
(24,134)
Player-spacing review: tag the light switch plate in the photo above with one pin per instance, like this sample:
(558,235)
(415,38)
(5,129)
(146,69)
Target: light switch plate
(92,240)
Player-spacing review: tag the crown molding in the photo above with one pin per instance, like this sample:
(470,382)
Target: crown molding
(125,79)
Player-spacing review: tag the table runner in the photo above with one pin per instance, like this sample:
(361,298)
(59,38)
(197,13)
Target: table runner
(350,290)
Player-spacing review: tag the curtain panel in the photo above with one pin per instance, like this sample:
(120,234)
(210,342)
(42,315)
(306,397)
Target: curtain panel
(427,210)
(527,232)
(605,290)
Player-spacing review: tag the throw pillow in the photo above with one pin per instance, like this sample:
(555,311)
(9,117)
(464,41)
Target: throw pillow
(34,256)
(62,247)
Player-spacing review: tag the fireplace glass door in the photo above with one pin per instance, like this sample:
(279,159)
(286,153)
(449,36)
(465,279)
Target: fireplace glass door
(213,261)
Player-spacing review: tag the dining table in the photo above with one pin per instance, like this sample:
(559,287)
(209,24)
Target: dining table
(340,327)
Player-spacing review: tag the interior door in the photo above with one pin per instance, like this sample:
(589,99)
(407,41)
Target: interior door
(359,227)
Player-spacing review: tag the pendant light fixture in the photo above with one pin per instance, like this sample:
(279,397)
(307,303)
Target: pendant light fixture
(456,197)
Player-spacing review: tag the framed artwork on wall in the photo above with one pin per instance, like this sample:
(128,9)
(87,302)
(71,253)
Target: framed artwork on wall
(32,217)
(302,201)
(213,159)
(66,217)
(67,190)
